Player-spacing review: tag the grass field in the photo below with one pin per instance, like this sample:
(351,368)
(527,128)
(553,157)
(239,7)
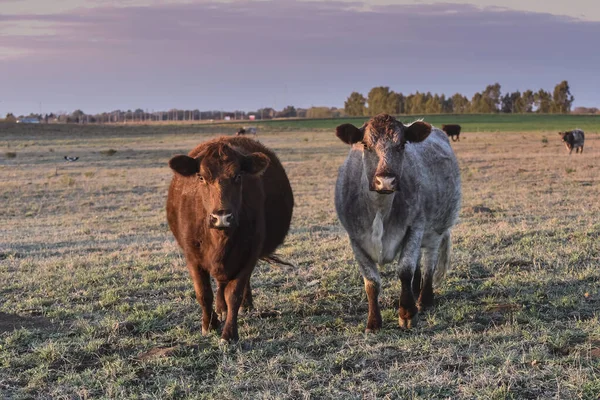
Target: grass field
(469,123)
(95,300)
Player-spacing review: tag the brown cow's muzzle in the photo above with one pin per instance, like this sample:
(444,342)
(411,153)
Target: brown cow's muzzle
(385,184)
(222,219)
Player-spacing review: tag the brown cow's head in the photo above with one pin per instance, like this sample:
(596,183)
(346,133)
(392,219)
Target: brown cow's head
(218,172)
(383,140)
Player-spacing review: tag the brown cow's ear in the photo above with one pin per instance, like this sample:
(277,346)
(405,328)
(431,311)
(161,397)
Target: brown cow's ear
(417,131)
(255,163)
(184,165)
(349,134)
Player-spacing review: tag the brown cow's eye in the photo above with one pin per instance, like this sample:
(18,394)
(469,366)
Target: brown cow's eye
(237,178)
(201,178)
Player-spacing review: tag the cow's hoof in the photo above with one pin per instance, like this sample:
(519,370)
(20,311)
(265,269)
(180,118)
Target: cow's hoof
(371,330)
(223,316)
(424,306)
(246,310)
(205,332)
(407,323)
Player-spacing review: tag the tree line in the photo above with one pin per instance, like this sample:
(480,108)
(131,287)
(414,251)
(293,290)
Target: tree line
(177,115)
(383,100)
(379,100)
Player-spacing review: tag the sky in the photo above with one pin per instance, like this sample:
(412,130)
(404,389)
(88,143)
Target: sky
(96,55)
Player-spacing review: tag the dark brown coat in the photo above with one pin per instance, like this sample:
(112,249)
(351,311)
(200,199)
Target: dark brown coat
(452,130)
(229,204)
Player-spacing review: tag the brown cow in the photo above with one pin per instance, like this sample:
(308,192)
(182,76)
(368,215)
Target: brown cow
(230,204)
(452,130)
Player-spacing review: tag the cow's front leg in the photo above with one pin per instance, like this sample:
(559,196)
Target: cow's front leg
(372,280)
(221,304)
(234,294)
(407,312)
(204,296)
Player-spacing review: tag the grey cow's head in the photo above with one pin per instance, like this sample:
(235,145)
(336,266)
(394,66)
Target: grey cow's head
(383,140)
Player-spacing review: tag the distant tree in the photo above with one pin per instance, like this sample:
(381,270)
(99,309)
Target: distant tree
(518,103)
(528,101)
(382,100)
(433,105)
(401,103)
(265,113)
(447,105)
(460,104)
(562,98)
(543,101)
(491,99)
(416,103)
(511,102)
(288,112)
(10,117)
(319,112)
(355,105)
(77,116)
(477,104)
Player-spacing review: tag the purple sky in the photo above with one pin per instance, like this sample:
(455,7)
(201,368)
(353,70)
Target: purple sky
(249,54)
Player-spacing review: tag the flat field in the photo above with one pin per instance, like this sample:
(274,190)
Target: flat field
(96,302)
(469,122)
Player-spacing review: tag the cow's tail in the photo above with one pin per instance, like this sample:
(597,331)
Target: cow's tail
(443,263)
(274,259)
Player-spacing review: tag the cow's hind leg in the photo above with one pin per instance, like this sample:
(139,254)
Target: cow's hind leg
(436,261)
(411,247)
(204,296)
(372,280)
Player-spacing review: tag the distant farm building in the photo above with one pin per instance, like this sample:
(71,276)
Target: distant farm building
(28,120)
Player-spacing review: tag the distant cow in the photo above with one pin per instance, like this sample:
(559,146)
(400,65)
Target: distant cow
(452,130)
(246,131)
(397,195)
(573,140)
(229,205)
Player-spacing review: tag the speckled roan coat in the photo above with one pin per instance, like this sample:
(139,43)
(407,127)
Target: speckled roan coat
(397,195)
(243,178)
(574,139)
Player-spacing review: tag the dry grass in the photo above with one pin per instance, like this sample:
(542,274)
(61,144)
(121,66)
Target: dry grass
(96,301)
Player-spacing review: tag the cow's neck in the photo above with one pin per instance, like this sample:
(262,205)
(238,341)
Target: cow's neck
(220,243)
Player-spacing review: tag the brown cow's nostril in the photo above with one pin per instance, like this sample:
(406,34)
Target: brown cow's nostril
(221,219)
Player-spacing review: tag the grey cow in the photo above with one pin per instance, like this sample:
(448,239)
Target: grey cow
(573,140)
(397,195)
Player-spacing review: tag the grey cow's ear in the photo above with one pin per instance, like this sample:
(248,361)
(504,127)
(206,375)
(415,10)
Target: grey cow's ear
(349,134)
(417,131)
(184,165)
(255,163)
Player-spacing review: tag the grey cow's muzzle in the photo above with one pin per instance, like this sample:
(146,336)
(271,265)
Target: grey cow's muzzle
(385,184)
